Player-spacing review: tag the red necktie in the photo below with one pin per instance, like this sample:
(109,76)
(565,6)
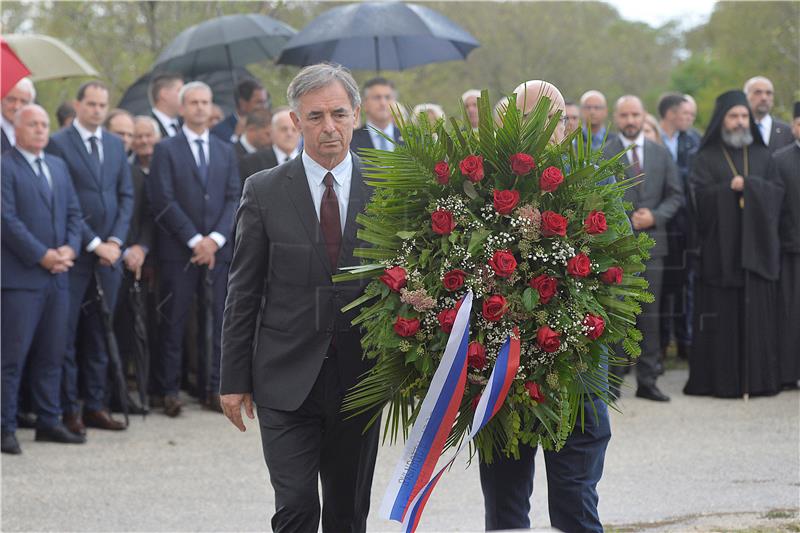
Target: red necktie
(637,166)
(329,221)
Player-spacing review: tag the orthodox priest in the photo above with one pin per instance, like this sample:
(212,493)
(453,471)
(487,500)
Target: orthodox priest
(737,201)
(787,167)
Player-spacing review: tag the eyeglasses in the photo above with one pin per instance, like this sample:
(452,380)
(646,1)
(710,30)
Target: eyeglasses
(593,107)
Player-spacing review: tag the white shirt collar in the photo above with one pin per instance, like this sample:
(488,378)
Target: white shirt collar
(282,156)
(249,148)
(30,156)
(85,133)
(316,172)
(192,136)
(767,122)
(8,127)
(638,141)
(166,120)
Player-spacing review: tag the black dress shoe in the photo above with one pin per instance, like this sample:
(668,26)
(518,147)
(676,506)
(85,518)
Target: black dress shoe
(10,444)
(26,420)
(58,433)
(651,392)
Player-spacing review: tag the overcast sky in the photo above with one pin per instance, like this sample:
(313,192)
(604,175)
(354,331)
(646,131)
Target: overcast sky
(657,12)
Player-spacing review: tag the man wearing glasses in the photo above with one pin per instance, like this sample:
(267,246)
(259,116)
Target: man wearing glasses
(594,112)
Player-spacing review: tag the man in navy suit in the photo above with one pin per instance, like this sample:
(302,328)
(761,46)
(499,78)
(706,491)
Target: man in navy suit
(378,97)
(194,189)
(250,95)
(102,178)
(41,230)
(23,93)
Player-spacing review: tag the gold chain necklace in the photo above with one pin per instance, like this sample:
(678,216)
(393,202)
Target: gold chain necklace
(735,171)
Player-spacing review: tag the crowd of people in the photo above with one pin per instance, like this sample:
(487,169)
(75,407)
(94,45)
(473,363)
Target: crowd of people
(111,202)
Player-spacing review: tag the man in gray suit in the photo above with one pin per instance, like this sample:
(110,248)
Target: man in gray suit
(654,201)
(295,228)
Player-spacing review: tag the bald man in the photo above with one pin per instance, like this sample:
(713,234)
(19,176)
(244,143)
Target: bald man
(655,202)
(41,232)
(573,472)
(761,97)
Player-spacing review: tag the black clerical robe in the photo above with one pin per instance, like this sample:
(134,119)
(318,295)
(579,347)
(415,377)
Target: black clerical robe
(787,168)
(735,348)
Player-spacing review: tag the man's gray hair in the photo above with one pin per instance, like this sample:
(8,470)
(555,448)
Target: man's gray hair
(150,120)
(191,86)
(469,94)
(25,84)
(29,107)
(755,79)
(590,93)
(315,77)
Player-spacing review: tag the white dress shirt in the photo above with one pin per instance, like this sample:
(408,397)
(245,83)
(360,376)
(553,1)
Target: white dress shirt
(671,143)
(31,159)
(171,125)
(8,129)
(639,142)
(282,157)
(191,137)
(249,148)
(378,141)
(86,135)
(342,174)
(766,128)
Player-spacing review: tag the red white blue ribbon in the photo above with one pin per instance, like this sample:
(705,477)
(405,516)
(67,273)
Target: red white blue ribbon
(413,482)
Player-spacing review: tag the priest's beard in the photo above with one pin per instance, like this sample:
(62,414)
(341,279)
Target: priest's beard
(737,138)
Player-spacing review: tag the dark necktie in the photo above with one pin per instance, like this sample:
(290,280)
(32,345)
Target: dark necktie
(203,166)
(174,127)
(43,177)
(637,166)
(95,152)
(329,221)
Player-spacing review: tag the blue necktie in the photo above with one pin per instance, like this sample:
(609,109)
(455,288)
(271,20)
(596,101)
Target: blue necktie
(203,166)
(43,177)
(95,153)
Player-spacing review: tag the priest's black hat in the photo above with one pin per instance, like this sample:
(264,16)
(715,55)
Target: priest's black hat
(796,109)
(724,103)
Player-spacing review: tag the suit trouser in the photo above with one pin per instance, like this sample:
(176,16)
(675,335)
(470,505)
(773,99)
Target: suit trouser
(34,324)
(86,333)
(572,477)
(181,282)
(677,302)
(648,322)
(315,443)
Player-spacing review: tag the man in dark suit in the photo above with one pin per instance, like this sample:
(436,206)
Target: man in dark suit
(761,97)
(655,201)
(163,92)
(194,190)
(23,93)
(256,134)
(102,180)
(295,228)
(41,231)
(250,95)
(378,96)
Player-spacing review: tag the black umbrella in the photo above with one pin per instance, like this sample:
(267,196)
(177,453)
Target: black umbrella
(120,384)
(224,43)
(222,83)
(141,343)
(379,36)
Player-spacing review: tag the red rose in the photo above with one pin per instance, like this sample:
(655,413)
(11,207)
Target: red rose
(612,276)
(476,355)
(442,222)
(503,263)
(394,278)
(521,164)
(454,280)
(494,307)
(553,224)
(547,339)
(442,171)
(475,402)
(551,179)
(534,391)
(579,266)
(472,167)
(406,327)
(545,285)
(596,325)
(446,319)
(595,223)
(505,201)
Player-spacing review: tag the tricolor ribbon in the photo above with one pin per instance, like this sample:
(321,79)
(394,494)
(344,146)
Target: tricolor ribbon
(413,482)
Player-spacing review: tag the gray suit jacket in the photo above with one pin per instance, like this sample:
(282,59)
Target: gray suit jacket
(661,190)
(279,252)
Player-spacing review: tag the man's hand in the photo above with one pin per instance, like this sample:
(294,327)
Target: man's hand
(642,218)
(134,259)
(108,252)
(53,262)
(67,252)
(204,252)
(232,407)
(737,183)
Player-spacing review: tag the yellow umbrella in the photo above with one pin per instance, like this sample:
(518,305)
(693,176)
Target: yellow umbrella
(48,58)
